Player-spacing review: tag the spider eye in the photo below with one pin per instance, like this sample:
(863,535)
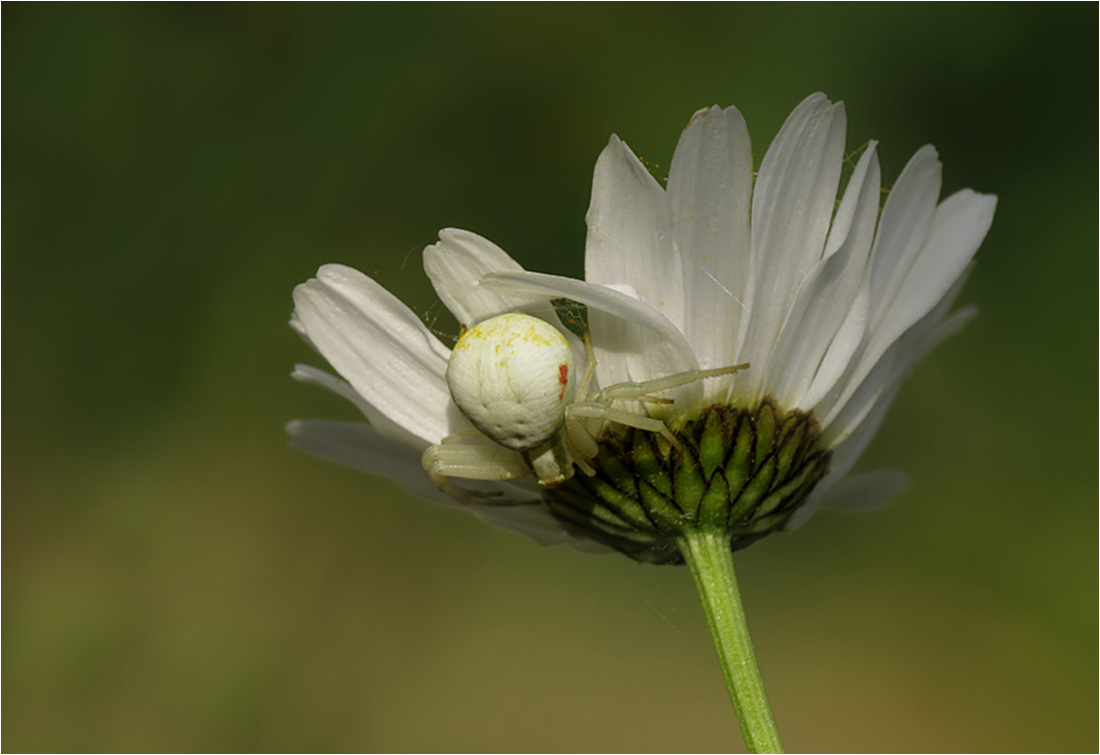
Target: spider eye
(512,377)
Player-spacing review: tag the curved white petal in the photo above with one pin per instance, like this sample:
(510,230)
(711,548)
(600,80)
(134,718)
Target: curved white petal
(873,395)
(844,346)
(868,490)
(860,419)
(395,432)
(630,233)
(903,230)
(801,515)
(792,207)
(958,227)
(455,266)
(826,299)
(537,523)
(362,447)
(863,491)
(617,343)
(380,347)
(651,345)
(850,447)
(857,214)
(710,189)
(297,327)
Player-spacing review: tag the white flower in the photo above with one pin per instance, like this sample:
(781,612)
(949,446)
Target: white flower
(831,304)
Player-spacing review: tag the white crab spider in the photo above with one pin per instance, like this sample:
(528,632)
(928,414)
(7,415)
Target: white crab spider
(512,377)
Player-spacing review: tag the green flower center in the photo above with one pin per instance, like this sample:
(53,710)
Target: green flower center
(741,472)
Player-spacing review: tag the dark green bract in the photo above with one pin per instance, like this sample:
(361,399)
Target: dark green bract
(741,472)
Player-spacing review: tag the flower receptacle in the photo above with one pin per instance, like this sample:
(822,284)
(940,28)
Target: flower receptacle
(738,472)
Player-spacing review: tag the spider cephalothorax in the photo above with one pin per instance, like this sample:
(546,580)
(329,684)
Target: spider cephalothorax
(512,377)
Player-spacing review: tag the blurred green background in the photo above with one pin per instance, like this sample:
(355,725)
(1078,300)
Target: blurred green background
(176,578)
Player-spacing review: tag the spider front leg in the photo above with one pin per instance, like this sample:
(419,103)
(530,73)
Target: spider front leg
(594,410)
(627,391)
(641,391)
(599,405)
(589,367)
(450,459)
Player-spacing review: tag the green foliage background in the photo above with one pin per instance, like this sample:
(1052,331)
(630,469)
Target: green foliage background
(176,578)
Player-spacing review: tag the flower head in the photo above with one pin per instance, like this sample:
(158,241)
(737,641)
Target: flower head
(830,303)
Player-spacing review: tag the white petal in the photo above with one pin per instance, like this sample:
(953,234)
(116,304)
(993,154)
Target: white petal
(791,209)
(841,351)
(958,227)
(871,399)
(653,346)
(863,491)
(617,344)
(866,490)
(362,447)
(381,347)
(857,214)
(845,455)
(800,516)
(388,428)
(826,298)
(903,230)
(853,429)
(297,327)
(630,233)
(710,189)
(535,521)
(455,266)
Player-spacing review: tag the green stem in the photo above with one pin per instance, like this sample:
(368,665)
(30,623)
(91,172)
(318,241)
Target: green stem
(708,555)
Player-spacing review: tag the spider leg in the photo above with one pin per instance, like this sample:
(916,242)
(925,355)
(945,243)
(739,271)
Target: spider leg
(579,438)
(467,433)
(585,467)
(593,410)
(442,462)
(589,367)
(640,390)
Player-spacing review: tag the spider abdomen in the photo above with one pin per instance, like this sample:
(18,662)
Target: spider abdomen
(512,377)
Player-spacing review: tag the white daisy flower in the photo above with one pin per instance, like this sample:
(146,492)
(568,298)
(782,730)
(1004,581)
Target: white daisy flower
(830,303)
